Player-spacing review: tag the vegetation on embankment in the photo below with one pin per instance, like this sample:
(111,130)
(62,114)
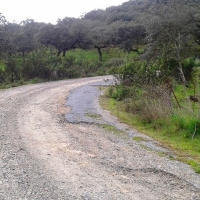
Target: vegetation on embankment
(159,106)
(44,65)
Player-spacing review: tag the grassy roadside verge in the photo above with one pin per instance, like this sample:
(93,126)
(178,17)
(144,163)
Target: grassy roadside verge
(187,150)
(20,83)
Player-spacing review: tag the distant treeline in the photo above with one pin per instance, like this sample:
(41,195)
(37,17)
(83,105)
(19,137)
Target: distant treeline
(167,29)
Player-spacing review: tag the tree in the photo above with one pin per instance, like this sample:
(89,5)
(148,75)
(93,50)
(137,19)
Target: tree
(19,37)
(23,36)
(169,30)
(3,22)
(128,35)
(67,34)
(196,18)
(99,37)
(98,14)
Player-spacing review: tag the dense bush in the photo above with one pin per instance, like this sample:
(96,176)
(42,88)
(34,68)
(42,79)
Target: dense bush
(154,95)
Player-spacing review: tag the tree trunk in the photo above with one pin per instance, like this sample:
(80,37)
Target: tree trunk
(135,50)
(64,53)
(23,53)
(180,68)
(59,52)
(178,48)
(99,52)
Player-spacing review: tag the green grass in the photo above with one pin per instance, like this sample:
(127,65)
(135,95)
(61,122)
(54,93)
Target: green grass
(107,54)
(140,139)
(21,82)
(92,55)
(168,133)
(2,66)
(92,115)
(112,129)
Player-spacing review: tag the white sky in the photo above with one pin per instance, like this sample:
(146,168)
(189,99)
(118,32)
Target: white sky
(51,10)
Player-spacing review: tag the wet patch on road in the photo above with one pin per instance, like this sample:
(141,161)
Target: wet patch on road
(82,102)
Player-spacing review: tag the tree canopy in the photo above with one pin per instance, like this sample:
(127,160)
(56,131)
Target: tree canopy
(165,28)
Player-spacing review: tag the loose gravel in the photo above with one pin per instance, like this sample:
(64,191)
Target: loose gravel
(46,155)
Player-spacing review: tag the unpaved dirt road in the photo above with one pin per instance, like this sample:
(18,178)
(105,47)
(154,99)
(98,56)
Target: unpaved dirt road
(43,156)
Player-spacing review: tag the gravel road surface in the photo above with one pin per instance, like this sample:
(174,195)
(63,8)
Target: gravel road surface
(54,144)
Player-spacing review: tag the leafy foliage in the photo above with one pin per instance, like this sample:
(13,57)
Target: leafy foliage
(158,31)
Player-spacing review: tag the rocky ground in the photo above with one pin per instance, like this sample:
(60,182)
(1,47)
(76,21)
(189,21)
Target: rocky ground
(55,144)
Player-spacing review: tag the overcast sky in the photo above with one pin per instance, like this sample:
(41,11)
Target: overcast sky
(51,10)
